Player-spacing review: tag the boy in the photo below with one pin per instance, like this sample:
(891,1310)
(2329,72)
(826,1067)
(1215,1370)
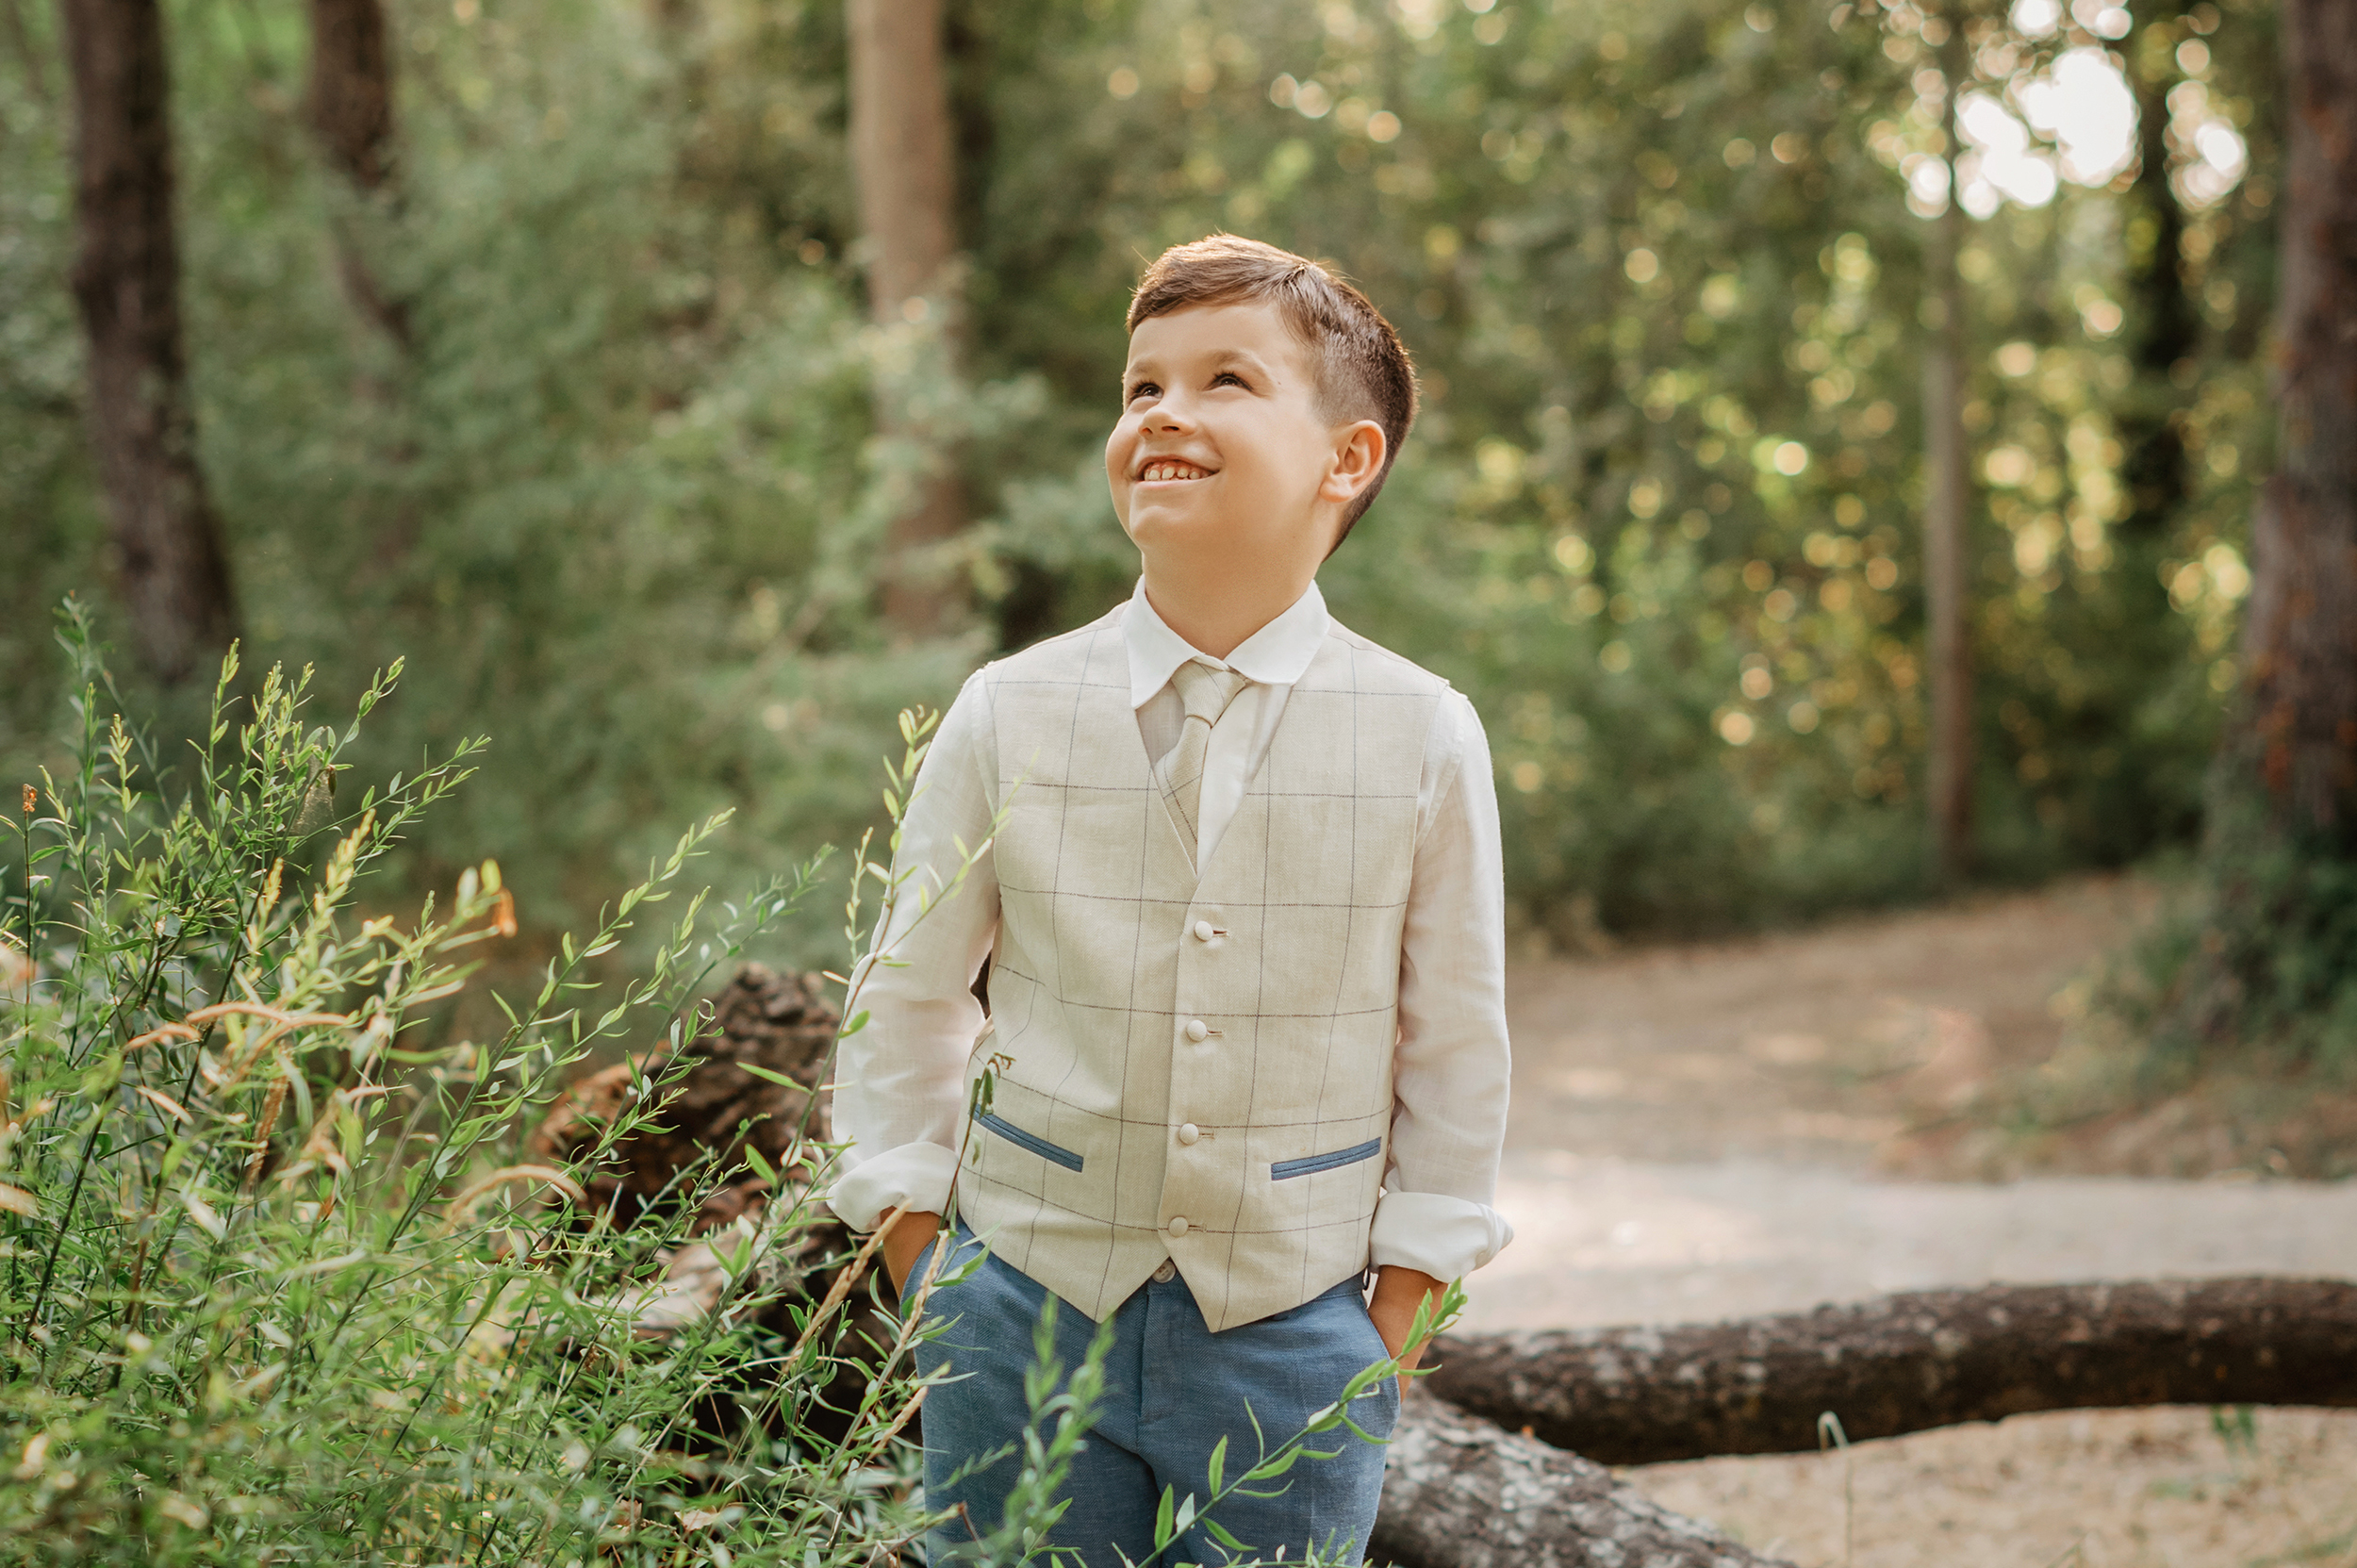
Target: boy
(1246,928)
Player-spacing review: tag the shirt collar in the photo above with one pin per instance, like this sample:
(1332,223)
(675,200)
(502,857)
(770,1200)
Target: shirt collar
(1276,654)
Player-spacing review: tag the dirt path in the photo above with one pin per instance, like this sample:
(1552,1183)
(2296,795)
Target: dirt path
(1705,1132)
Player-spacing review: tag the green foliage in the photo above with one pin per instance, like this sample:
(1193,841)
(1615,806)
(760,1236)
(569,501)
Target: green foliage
(622,495)
(2256,958)
(280,1283)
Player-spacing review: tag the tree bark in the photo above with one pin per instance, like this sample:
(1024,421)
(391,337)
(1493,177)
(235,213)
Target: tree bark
(2163,323)
(350,105)
(1947,652)
(903,161)
(1459,1492)
(1905,1364)
(172,572)
(2300,643)
(2277,961)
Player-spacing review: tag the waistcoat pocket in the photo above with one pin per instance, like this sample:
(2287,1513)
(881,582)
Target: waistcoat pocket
(1283,1169)
(1038,1145)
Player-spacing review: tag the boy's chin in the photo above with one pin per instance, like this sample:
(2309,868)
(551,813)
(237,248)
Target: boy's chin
(1179,527)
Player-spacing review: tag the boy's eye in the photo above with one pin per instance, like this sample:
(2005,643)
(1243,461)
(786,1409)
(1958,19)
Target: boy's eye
(1227,379)
(1143,390)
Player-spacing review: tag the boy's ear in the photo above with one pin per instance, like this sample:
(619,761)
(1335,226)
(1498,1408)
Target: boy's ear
(1358,449)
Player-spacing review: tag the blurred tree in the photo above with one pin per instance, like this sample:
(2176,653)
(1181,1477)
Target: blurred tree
(1947,489)
(351,112)
(21,39)
(2277,961)
(904,165)
(2164,322)
(126,279)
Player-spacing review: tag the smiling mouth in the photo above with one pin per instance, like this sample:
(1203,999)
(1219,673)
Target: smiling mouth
(1164,469)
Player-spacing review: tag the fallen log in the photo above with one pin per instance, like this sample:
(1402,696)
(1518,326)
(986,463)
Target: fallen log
(780,1022)
(1459,1492)
(710,1113)
(1904,1363)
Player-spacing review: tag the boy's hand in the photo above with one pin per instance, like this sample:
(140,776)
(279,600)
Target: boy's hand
(1398,1292)
(904,1242)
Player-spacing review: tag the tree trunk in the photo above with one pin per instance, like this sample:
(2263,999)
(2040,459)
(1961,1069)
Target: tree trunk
(173,574)
(350,109)
(1459,1493)
(351,99)
(2278,961)
(1904,1363)
(902,159)
(2300,644)
(2163,325)
(1947,652)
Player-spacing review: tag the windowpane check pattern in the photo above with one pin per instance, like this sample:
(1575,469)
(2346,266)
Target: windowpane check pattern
(1182,1072)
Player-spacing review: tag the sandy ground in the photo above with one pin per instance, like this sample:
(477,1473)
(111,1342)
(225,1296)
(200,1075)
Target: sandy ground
(2120,1489)
(1703,1131)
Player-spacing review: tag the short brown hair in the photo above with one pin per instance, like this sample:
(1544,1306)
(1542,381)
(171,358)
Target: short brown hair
(1362,367)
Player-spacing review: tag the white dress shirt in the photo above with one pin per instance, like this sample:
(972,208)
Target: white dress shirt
(899,1096)
(1271,658)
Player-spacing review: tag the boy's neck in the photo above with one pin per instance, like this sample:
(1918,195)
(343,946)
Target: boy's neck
(1216,605)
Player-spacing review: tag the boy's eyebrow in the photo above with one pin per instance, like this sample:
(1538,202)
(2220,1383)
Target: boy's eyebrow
(1221,359)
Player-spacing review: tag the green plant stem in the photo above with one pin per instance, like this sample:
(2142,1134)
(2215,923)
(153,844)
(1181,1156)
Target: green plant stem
(32,921)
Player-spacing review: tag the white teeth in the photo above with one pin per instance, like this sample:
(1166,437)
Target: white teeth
(1156,472)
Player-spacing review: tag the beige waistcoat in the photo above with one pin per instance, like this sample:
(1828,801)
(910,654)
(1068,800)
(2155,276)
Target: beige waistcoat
(1193,1067)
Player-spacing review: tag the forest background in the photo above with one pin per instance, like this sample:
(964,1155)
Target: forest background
(577,408)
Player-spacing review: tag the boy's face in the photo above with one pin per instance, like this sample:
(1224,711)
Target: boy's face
(1221,455)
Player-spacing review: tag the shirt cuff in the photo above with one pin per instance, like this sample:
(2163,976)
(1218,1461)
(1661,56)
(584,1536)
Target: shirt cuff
(919,1174)
(1445,1237)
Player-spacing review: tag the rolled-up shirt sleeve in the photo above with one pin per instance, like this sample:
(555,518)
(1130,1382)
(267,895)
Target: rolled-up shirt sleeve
(900,1082)
(1451,1068)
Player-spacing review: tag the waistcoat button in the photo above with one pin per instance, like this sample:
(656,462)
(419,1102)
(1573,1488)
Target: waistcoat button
(1189,1132)
(1179,1224)
(1164,1275)
(1203,931)
(1198,1030)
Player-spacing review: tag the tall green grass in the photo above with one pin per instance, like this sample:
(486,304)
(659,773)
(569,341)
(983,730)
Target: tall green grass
(280,1282)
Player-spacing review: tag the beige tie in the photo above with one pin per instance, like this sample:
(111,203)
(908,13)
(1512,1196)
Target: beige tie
(1206,693)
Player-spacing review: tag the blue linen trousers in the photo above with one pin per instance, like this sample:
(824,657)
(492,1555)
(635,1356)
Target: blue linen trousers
(1173,1389)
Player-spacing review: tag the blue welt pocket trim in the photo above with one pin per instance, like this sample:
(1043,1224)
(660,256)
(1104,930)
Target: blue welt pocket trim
(1021,1139)
(1284,1168)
